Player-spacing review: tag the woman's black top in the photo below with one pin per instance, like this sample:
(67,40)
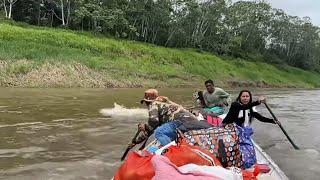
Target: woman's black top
(236,107)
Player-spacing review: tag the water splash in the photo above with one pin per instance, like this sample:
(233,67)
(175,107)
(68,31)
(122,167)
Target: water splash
(120,112)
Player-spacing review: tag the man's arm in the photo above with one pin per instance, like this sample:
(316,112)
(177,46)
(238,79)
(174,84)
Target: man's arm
(223,94)
(153,123)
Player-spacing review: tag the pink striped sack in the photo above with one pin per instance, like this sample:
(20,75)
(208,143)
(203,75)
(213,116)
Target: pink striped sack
(214,121)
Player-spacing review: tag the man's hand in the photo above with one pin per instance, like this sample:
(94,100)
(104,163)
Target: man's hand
(212,114)
(142,127)
(221,105)
(131,145)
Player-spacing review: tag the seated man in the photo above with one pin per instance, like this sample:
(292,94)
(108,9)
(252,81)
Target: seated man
(165,117)
(214,99)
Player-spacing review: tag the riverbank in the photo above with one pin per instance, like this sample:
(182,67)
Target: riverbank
(43,57)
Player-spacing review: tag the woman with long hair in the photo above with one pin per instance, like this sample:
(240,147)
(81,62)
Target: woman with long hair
(242,111)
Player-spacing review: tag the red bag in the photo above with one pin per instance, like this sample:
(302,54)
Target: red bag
(185,154)
(247,175)
(136,167)
(261,168)
(258,168)
(140,166)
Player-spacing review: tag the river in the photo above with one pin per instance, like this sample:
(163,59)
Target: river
(60,134)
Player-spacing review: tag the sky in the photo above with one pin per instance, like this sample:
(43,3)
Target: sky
(299,8)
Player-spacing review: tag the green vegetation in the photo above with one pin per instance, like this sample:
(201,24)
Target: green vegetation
(44,57)
(249,30)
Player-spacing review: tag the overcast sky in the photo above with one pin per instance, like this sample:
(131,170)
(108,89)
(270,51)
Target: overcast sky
(299,8)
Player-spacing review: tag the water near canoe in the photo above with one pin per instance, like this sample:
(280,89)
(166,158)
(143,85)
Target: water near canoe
(60,134)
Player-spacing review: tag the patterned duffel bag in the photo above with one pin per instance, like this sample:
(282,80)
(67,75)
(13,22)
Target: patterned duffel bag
(223,142)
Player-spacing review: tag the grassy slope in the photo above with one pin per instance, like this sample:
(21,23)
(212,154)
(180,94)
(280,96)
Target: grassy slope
(44,57)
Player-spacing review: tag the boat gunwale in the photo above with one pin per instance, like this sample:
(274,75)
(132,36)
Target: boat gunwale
(282,175)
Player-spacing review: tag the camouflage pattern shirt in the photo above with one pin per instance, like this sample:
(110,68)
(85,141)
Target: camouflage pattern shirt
(160,113)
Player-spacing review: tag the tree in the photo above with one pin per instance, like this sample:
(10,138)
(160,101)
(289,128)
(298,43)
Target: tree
(8,10)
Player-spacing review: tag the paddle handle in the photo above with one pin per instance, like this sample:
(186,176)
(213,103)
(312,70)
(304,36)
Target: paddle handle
(281,127)
(125,153)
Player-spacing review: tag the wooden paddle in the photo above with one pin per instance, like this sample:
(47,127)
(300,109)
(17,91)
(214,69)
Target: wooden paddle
(129,146)
(283,130)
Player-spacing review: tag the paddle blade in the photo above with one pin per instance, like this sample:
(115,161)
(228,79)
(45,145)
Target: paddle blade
(281,127)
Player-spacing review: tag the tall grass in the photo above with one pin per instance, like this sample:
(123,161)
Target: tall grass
(129,63)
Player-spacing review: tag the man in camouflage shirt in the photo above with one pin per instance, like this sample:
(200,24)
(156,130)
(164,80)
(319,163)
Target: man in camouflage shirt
(164,113)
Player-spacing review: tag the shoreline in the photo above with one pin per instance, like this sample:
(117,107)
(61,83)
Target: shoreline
(29,74)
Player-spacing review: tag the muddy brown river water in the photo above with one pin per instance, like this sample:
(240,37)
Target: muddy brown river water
(60,134)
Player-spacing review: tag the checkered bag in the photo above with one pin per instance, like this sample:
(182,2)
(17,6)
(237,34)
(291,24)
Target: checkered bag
(209,139)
